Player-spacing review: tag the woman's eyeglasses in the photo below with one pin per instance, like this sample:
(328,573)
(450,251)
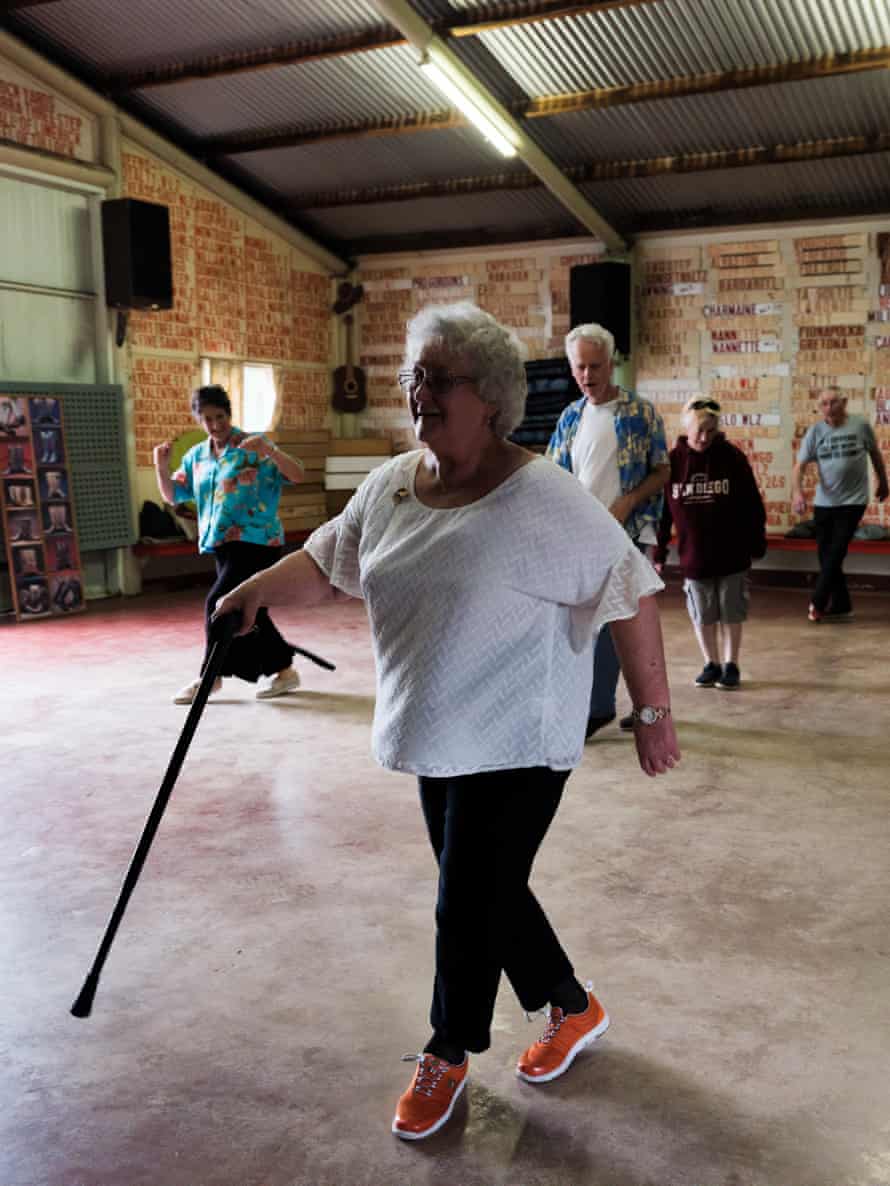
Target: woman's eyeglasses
(437,382)
(699,405)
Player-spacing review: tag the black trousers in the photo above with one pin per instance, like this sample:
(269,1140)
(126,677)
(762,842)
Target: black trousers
(835,527)
(485,830)
(263,651)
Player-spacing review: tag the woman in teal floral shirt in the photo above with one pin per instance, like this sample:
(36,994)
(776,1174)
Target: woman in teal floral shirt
(235,481)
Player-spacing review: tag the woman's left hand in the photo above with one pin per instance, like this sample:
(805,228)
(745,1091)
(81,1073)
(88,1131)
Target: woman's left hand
(657,746)
(257,444)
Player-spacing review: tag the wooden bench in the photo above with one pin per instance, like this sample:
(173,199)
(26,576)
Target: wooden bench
(178,563)
(781,543)
(189,547)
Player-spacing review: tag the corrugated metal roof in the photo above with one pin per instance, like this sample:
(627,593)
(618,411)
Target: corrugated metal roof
(375,84)
(782,114)
(115,36)
(525,211)
(661,39)
(377,160)
(680,37)
(860,183)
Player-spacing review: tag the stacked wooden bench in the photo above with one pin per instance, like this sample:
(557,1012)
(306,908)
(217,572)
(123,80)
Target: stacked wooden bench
(349,461)
(302,506)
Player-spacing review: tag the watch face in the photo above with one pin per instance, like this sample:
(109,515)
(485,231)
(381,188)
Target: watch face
(648,715)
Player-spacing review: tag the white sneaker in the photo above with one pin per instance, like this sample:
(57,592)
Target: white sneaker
(187,694)
(277,685)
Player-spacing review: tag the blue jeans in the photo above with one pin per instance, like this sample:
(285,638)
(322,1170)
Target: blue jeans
(606,669)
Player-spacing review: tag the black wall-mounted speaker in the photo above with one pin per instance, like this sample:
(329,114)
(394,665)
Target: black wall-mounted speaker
(601,293)
(136,247)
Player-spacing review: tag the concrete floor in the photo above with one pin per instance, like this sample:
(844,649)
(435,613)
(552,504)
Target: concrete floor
(275,960)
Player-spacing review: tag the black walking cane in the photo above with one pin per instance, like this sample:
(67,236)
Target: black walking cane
(316,659)
(222,631)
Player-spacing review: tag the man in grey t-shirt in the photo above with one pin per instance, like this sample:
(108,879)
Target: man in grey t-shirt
(841,445)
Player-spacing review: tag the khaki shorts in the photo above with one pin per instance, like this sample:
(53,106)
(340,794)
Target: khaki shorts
(718,599)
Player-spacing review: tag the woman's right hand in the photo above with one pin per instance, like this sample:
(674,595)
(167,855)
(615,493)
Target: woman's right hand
(244,597)
(161,453)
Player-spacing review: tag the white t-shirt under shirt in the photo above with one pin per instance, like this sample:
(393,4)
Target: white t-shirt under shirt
(595,452)
(482,617)
(595,457)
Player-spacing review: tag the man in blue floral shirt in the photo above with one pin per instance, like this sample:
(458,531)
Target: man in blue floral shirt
(614,443)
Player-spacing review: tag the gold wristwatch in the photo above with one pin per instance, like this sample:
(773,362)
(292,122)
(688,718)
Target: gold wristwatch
(648,714)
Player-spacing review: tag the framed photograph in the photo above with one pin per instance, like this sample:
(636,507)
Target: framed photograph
(65,594)
(53,485)
(13,418)
(48,448)
(28,561)
(61,553)
(23,527)
(33,597)
(19,493)
(45,410)
(56,518)
(16,459)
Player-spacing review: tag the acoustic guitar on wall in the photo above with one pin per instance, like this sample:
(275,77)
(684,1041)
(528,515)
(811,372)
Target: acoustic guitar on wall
(350,388)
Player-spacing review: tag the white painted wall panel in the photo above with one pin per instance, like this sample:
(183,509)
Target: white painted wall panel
(47,338)
(44,236)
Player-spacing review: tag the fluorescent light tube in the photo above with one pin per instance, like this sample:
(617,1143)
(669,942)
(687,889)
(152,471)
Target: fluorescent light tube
(467,105)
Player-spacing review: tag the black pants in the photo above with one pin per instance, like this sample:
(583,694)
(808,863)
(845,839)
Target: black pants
(485,830)
(835,527)
(263,651)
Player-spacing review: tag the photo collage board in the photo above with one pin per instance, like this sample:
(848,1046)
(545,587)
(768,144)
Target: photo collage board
(38,511)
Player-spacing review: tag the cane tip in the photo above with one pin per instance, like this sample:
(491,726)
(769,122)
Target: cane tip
(83,1006)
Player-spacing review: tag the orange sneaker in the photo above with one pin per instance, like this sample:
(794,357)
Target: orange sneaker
(566,1035)
(430,1099)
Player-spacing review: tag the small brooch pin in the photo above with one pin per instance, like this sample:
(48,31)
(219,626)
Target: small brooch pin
(400,494)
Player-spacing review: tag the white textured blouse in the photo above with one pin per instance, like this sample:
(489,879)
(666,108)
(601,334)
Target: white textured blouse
(482,617)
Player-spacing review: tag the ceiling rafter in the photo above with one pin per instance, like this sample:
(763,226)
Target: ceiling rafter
(660,221)
(692,162)
(416,121)
(12,5)
(293,53)
(551,105)
(829,66)
(488,17)
(491,16)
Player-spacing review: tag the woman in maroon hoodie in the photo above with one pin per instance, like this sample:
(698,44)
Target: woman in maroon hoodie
(713,502)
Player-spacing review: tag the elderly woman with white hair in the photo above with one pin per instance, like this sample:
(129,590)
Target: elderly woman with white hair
(482,617)
(713,502)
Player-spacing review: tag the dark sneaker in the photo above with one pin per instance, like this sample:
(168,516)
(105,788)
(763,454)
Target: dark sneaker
(708,676)
(730,677)
(594,724)
(626,724)
(834,615)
